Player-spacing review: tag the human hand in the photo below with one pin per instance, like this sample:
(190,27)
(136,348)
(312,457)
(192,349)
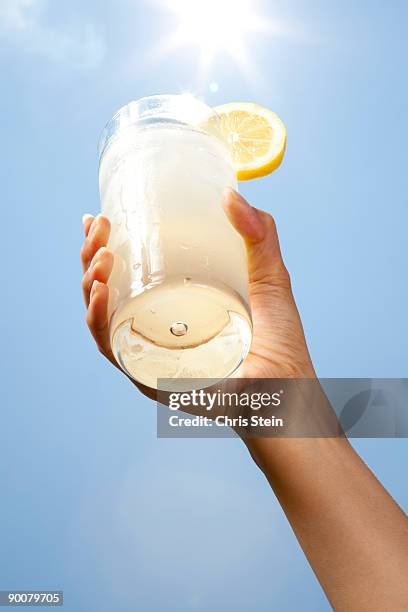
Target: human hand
(278,347)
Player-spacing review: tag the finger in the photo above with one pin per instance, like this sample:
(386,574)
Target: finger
(97,237)
(258,229)
(87,222)
(99,269)
(243,217)
(97,318)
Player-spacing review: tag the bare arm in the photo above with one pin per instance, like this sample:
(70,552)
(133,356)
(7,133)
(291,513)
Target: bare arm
(353,533)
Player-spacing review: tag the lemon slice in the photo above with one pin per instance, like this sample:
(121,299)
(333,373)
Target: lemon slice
(256,135)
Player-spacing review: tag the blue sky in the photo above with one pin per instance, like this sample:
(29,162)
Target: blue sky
(92,502)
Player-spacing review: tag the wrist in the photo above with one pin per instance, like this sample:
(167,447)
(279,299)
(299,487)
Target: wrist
(281,457)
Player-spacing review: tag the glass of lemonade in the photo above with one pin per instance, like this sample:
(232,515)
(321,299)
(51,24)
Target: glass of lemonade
(178,295)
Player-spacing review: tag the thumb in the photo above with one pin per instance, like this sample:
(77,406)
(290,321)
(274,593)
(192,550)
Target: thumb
(258,229)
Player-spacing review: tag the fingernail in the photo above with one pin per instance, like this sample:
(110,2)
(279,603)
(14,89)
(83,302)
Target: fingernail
(94,288)
(245,218)
(229,192)
(93,226)
(85,217)
(96,256)
(238,199)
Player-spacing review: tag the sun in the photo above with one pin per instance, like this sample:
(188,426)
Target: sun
(213,27)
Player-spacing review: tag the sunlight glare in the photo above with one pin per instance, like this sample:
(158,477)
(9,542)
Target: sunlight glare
(214,26)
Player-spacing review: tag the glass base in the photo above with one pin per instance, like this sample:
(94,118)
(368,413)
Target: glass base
(179,330)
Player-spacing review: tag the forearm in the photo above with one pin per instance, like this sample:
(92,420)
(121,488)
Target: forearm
(353,533)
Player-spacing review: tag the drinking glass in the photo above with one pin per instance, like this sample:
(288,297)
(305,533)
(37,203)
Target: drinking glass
(178,294)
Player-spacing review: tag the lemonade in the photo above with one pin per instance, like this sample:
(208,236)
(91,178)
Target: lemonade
(178,290)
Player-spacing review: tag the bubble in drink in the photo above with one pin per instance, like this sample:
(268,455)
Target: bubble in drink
(178,329)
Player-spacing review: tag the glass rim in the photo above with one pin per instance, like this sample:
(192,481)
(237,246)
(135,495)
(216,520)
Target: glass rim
(149,111)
